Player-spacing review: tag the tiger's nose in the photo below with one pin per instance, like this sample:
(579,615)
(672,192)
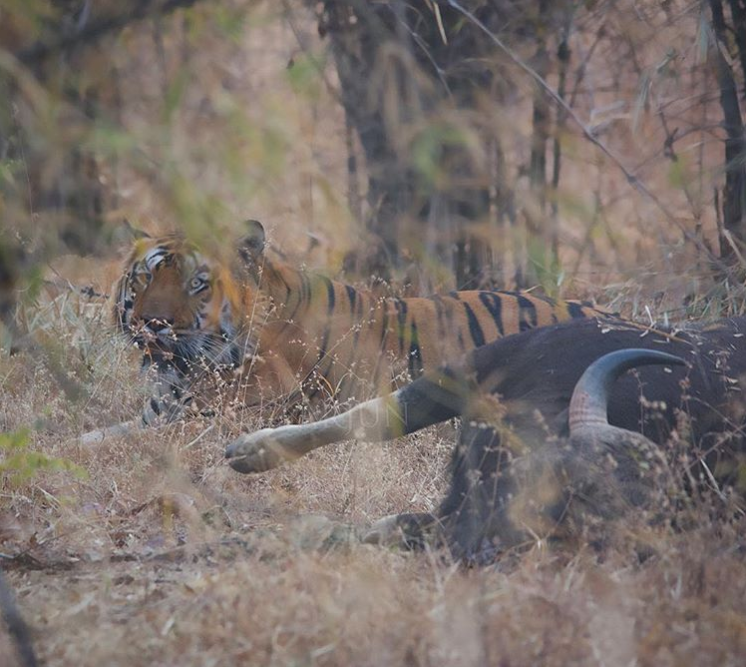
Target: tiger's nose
(158,326)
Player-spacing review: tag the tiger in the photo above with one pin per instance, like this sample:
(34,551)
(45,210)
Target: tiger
(278,331)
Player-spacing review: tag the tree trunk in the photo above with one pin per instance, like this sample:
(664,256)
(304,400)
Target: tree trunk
(399,79)
(738,12)
(734,193)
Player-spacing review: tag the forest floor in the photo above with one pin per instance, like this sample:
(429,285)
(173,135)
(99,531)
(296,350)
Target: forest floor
(152,551)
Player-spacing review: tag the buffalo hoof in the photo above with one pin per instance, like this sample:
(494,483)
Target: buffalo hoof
(403,531)
(384,532)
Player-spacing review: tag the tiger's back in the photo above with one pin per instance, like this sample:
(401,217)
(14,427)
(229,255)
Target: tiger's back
(335,340)
(433,329)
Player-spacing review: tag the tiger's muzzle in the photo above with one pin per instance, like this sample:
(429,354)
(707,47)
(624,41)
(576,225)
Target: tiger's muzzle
(155,335)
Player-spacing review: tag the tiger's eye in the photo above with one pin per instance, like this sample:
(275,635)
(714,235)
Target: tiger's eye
(198,283)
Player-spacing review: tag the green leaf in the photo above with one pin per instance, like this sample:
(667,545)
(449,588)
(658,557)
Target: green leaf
(20,464)
(304,74)
(175,94)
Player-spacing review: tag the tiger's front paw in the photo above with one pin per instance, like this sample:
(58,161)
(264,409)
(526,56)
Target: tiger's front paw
(257,452)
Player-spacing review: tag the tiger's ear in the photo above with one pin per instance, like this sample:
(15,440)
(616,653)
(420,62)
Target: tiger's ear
(252,242)
(251,247)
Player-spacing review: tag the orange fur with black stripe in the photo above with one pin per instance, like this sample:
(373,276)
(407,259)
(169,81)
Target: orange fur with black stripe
(292,332)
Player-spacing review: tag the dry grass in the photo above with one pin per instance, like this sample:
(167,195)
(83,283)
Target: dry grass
(162,555)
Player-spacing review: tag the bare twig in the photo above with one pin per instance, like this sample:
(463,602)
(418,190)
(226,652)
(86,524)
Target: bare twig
(728,237)
(712,480)
(64,284)
(209,429)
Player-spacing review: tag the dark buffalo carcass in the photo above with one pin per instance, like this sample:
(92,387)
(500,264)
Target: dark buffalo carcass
(518,390)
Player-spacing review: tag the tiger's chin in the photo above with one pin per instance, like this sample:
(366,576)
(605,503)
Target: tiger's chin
(205,350)
(158,355)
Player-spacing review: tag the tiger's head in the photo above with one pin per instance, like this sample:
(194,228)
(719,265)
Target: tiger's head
(182,305)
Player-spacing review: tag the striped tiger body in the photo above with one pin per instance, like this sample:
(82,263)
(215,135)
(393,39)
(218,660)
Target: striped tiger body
(289,332)
(337,339)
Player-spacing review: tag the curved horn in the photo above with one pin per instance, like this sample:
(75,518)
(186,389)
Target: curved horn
(589,402)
